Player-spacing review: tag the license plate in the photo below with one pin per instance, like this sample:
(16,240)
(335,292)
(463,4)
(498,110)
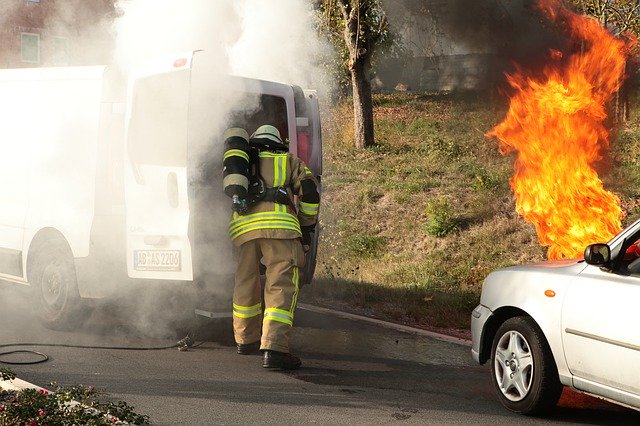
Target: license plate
(156,260)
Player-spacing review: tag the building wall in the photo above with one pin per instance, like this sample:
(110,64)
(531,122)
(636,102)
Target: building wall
(52,33)
(447,45)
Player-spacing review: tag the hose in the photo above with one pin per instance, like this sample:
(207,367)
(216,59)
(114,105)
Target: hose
(19,351)
(182,345)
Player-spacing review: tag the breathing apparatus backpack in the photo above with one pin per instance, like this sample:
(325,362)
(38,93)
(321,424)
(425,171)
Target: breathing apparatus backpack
(241,171)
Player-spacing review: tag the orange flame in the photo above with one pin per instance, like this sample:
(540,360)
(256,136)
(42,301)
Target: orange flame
(555,124)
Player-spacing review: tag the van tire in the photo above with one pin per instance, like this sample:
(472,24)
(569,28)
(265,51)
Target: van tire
(56,287)
(309,268)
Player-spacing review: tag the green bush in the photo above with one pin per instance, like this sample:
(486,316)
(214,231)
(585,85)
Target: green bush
(440,221)
(364,245)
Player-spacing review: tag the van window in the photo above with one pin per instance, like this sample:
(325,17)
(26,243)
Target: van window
(269,110)
(159,120)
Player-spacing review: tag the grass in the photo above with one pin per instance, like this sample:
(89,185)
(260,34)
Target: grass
(412,225)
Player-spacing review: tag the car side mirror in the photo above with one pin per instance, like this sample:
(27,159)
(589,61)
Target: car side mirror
(597,254)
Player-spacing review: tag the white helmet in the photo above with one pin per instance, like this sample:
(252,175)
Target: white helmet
(267,131)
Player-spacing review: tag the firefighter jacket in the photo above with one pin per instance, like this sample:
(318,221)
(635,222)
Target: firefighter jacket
(268,219)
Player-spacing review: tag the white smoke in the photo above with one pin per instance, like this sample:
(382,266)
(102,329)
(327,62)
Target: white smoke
(270,40)
(278,42)
(152,28)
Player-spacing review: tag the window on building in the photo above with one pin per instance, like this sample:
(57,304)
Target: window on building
(30,47)
(60,51)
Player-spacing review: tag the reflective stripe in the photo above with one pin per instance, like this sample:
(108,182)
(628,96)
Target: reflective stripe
(264,220)
(266,225)
(236,153)
(296,280)
(279,167)
(267,154)
(310,209)
(279,171)
(280,315)
(247,311)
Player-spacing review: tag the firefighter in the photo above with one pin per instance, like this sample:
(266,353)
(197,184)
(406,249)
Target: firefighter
(270,229)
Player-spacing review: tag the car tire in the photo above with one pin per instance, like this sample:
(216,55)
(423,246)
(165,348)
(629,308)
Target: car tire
(56,287)
(523,371)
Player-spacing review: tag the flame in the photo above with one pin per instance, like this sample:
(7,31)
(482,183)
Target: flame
(556,125)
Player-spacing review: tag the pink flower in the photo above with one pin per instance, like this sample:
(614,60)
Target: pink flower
(41,412)
(1,408)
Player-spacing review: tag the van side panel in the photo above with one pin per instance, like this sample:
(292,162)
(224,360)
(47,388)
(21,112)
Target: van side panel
(51,117)
(17,112)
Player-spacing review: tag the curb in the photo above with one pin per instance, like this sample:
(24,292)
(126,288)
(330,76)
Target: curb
(18,385)
(386,324)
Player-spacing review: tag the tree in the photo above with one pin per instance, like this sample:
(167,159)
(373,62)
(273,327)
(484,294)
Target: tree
(618,16)
(621,18)
(357,28)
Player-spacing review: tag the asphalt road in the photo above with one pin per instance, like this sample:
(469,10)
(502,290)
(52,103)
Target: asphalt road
(353,373)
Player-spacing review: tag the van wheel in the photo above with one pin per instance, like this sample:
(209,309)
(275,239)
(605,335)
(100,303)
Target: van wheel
(310,261)
(523,370)
(56,286)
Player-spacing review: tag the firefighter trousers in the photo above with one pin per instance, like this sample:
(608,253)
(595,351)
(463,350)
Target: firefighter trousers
(271,323)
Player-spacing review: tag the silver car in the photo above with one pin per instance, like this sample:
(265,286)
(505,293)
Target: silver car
(569,323)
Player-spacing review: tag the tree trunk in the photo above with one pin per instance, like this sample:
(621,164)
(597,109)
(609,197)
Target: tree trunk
(362,104)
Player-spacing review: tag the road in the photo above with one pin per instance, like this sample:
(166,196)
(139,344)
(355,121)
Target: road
(353,373)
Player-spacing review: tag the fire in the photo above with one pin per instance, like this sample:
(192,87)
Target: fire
(556,126)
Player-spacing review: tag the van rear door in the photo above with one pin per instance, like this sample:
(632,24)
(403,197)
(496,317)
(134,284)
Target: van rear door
(309,149)
(309,126)
(157,205)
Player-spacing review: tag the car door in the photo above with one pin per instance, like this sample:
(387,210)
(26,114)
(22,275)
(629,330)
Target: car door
(156,199)
(600,324)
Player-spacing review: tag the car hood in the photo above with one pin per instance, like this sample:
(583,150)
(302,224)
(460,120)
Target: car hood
(515,285)
(561,266)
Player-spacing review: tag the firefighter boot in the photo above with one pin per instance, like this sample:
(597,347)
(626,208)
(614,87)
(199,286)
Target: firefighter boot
(248,348)
(280,360)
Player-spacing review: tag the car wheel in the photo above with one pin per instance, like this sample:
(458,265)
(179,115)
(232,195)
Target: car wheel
(523,370)
(56,286)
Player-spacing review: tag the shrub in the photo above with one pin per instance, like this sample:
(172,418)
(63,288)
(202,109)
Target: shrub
(365,245)
(75,405)
(441,220)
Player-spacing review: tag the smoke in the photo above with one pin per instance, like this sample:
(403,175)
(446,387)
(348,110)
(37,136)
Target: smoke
(508,31)
(516,32)
(279,42)
(273,40)
(152,28)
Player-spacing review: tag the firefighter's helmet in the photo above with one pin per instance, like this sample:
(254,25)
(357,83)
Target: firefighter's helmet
(267,131)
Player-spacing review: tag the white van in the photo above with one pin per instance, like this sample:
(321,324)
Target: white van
(109,182)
